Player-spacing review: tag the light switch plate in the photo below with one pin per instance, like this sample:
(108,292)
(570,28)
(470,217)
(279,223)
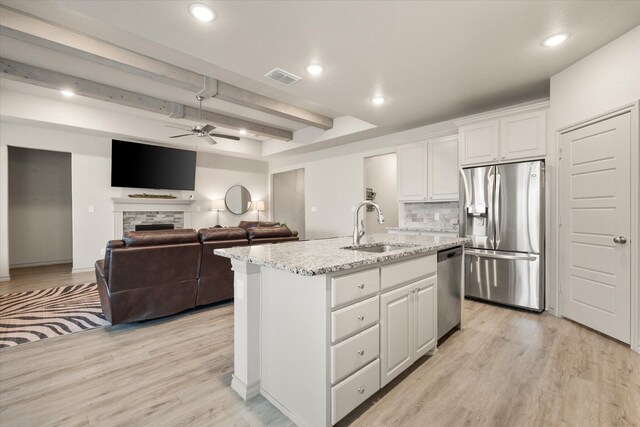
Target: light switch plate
(92,209)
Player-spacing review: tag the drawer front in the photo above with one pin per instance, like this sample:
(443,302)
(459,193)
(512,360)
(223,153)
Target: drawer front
(354,318)
(352,354)
(407,271)
(352,287)
(357,388)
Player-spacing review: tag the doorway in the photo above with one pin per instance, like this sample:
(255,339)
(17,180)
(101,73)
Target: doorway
(40,208)
(595,226)
(380,184)
(289,200)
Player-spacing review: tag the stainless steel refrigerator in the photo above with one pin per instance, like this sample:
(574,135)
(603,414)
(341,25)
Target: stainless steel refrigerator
(502,211)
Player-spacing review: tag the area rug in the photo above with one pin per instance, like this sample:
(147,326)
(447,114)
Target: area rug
(32,316)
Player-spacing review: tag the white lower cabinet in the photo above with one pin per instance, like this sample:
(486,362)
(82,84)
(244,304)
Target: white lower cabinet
(408,326)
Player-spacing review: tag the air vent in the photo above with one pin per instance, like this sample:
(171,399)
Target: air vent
(282,76)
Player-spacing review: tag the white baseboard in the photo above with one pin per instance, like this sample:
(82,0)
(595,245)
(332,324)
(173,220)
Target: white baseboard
(5,278)
(82,270)
(42,263)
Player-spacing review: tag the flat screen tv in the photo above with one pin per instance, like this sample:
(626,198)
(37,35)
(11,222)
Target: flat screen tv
(149,166)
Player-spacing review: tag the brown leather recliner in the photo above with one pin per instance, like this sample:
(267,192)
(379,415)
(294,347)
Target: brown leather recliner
(149,274)
(215,279)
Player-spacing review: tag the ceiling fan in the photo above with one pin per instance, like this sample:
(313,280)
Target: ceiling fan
(201,130)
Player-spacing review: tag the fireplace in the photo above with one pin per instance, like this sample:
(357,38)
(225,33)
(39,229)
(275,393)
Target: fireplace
(153,227)
(128,212)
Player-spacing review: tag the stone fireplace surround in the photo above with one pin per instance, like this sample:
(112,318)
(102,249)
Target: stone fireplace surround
(174,211)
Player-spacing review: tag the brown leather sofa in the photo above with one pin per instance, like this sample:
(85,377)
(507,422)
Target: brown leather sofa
(263,232)
(151,274)
(148,274)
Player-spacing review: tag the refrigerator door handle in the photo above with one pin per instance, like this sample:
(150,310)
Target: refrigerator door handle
(491,208)
(520,257)
(497,202)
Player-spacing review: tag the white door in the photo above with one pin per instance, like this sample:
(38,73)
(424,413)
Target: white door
(425,316)
(595,215)
(396,325)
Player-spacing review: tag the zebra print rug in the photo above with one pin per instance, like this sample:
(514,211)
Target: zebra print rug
(35,315)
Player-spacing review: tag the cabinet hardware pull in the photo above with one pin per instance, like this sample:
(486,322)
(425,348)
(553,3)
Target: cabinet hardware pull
(361,317)
(361,286)
(361,390)
(361,352)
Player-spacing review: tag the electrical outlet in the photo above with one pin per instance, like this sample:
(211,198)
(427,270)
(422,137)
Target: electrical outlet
(92,209)
(436,216)
(197,208)
(314,209)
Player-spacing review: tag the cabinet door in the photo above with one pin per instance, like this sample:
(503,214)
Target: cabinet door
(411,172)
(425,308)
(479,142)
(443,169)
(523,136)
(396,324)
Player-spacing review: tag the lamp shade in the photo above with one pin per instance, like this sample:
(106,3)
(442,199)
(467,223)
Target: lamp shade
(259,205)
(217,205)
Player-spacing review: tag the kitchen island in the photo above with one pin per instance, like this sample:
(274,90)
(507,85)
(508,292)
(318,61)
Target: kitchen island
(321,325)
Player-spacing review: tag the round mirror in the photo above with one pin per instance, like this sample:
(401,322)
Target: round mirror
(238,200)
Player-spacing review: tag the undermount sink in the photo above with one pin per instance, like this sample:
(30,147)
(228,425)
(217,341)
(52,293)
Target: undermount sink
(378,249)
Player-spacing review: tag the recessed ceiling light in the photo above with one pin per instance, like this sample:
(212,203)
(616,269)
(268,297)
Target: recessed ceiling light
(202,12)
(67,93)
(378,100)
(242,131)
(315,69)
(555,40)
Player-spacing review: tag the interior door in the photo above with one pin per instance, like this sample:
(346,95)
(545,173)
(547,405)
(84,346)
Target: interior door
(396,332)
(595,221)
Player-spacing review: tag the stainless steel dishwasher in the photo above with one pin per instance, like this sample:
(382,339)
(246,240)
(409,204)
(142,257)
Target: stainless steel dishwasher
(449,276)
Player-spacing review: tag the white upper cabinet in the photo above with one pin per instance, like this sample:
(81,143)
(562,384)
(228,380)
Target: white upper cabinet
(523,136)
(516,136)
(479,142)
(428,170)
(411,166)
(442,169)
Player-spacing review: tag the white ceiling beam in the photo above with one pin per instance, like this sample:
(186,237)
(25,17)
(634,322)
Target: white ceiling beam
(50,79)
(33,30)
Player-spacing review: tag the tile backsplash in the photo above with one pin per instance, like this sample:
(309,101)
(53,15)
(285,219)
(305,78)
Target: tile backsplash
(423,215)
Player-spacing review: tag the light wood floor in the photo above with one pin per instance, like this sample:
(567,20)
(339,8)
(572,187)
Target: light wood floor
(508,368)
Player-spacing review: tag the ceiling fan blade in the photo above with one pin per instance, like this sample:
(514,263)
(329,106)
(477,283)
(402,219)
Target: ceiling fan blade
(213,141)
(208,128)
(176,127)
(180,136)
(220,135)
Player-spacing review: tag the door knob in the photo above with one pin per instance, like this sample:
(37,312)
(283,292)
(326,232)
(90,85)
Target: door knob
(620,239)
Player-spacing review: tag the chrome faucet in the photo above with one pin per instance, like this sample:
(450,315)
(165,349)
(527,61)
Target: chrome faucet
(358,228)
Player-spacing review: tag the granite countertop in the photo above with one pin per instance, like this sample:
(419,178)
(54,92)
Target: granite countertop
(425,229)
(315,257)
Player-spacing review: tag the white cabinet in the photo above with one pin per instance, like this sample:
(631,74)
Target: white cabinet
(408,326)
(523,136)
(511,137)
(479,142)
(411,167)
(442,168)
(428,170)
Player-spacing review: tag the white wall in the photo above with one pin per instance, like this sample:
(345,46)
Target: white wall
(39,207)
(605,80)
(91,186)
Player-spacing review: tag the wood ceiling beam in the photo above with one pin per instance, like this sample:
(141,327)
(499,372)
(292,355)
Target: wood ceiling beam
(50,79)
(32,30)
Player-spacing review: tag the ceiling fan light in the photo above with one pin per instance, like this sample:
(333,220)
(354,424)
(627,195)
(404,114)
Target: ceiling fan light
(202,12)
